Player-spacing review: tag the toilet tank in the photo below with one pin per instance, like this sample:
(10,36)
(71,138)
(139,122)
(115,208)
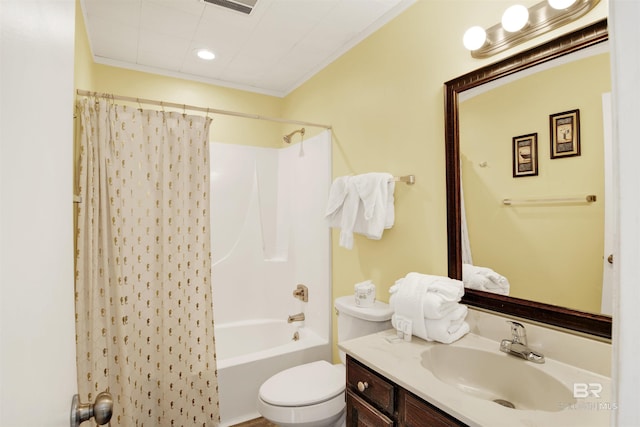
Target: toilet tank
(355,321)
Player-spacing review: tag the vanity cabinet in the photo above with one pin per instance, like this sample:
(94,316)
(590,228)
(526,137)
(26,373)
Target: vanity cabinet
(375,401)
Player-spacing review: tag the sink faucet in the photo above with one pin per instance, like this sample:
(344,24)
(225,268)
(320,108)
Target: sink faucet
(296,318)
(517,345)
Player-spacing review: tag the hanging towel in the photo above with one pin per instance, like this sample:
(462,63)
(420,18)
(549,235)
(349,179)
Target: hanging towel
(376,213)
(342,209)
(484,279)
(337,194)
(362,204)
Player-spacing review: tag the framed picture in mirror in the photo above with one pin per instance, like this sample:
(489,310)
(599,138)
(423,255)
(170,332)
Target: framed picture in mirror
(565,134)
(525,155)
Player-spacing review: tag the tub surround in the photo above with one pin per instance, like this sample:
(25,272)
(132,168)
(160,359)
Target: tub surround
(569,358)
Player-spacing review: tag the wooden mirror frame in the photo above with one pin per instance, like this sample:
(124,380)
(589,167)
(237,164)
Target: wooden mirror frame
(589,323)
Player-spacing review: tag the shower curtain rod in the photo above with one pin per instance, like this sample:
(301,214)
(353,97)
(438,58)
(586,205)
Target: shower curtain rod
(81,92)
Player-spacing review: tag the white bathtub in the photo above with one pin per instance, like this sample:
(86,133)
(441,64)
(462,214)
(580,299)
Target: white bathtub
(251,351)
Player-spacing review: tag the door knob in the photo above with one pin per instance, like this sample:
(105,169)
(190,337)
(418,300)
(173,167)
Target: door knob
(610,259)
(101,410)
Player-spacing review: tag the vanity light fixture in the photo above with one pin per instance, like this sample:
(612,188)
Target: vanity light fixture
(520,24)
(561,4)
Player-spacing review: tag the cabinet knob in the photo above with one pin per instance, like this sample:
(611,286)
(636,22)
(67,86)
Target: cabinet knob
(362,386)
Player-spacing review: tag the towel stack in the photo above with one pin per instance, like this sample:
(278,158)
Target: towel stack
(361,204)
(431,305)
(484,279)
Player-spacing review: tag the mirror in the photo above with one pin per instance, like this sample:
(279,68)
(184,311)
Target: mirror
(522,303)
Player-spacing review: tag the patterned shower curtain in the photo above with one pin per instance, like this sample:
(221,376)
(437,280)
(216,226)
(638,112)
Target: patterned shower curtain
(144,321)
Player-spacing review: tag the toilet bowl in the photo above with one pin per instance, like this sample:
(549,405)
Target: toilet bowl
(313,394)
(309,395)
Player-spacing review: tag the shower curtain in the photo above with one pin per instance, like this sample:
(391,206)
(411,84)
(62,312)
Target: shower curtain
(144,322)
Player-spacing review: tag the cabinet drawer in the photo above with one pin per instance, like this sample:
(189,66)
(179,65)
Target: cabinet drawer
(361,414)
(379,391)
(415,412)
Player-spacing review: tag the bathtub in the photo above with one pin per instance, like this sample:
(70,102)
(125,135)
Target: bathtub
(251,351)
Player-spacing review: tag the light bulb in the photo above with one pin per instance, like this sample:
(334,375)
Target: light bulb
(205,54)
(560,4)
(474,38)
(515,18)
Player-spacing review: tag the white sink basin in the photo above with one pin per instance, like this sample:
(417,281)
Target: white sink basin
(498,377)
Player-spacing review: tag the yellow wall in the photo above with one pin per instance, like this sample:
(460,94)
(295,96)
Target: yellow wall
(384,99)
(553,253)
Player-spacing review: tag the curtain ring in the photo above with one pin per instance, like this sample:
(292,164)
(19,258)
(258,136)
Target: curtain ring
(139,105)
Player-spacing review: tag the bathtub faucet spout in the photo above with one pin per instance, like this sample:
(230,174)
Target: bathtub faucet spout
(296,318)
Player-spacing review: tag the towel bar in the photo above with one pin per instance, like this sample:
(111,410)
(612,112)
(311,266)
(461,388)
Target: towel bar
(590,198)
(408,179)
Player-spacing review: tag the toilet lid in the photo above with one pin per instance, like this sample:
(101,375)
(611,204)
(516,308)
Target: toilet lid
(304,385)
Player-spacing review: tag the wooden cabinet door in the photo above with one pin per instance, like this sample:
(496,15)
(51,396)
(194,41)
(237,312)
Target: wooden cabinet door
(362,414)
(414,412)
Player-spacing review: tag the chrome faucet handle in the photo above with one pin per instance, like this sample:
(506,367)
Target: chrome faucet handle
(518,333)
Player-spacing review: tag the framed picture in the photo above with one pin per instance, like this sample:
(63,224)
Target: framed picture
(525,155)
(565,134)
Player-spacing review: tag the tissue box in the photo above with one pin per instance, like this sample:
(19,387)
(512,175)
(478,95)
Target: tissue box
(365,294)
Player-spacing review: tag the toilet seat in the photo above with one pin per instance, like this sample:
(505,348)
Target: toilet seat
(304,385)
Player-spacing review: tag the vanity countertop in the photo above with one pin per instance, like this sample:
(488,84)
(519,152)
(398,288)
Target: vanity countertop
(401,362)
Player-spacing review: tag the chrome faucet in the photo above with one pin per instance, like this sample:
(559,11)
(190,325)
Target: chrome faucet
(296,318)
(517,345)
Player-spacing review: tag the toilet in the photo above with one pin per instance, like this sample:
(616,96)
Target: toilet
(312,395)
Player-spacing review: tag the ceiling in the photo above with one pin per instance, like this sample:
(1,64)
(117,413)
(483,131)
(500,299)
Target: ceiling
(272,50)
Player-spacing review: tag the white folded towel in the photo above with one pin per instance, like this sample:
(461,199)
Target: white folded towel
(363,204)
(484,279)
(446,330)
(450,328)
(406,301)
(436,296)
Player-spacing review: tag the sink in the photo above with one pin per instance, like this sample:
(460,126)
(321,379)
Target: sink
(498,377)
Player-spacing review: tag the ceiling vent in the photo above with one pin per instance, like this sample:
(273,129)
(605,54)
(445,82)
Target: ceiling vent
(244,6)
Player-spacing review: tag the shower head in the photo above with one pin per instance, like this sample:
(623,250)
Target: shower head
(287,138)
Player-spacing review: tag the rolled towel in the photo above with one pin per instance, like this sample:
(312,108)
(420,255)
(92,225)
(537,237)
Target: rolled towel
(446,330)
(450,328)
(445,337)
(448,325)
(484,279)
(436,295)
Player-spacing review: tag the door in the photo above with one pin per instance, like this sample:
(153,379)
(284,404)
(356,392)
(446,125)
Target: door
(609,209)
(38,374)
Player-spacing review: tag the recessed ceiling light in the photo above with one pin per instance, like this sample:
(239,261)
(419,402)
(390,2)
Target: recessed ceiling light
(205,54)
